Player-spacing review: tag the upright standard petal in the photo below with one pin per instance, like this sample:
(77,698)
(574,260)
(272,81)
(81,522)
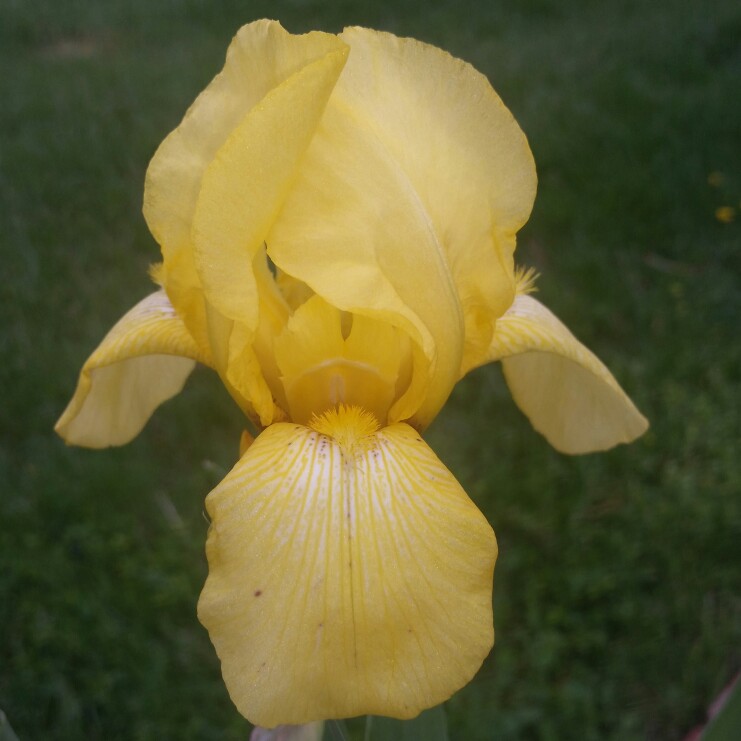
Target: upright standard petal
(355,231)
(242,191)
(566,392)
(349,573)
(143,361)
(464,153)
(261,58)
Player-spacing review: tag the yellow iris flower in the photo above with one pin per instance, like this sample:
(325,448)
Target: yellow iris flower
(337,218)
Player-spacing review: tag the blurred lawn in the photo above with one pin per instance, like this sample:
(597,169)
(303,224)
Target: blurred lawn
(618,590)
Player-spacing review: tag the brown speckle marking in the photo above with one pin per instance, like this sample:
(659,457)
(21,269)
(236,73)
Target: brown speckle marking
(258,592)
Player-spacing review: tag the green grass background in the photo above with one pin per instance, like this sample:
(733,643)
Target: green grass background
(618,589)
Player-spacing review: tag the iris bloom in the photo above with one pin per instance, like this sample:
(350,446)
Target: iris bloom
(337,218)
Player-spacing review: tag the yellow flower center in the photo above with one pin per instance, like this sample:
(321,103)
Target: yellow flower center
(350,426)
(327,358)
(338,381)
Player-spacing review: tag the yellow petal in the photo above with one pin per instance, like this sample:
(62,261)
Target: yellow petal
(566,392)
(354,230)
(295,292)
(143,361)
(349,573)
(241,191)
(261,57)
(274,312)
(462,151)
(244,186)
(312,336)
(237,363)
(244,357)
(321,368)
(382,346)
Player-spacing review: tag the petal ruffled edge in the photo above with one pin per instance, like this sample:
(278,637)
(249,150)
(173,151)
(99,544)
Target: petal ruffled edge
(565,391)
(460,146)
(348,574)
(143,361)
(353,229)
(260,59)
(242,190)
(244,186)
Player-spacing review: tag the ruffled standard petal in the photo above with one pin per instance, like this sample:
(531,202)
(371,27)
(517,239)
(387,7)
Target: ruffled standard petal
(244,186)
(355,231)
(260,59)
(417,145)
(349,573)
(143,361)
(467,158)
(242,191)
(566,392)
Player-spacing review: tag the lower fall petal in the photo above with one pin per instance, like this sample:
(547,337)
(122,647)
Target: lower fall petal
(143,361)
(566,392)
(349,573)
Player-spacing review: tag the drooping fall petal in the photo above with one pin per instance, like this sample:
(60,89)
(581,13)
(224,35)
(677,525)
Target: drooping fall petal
(349,573)
(143,361)
(564,389)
